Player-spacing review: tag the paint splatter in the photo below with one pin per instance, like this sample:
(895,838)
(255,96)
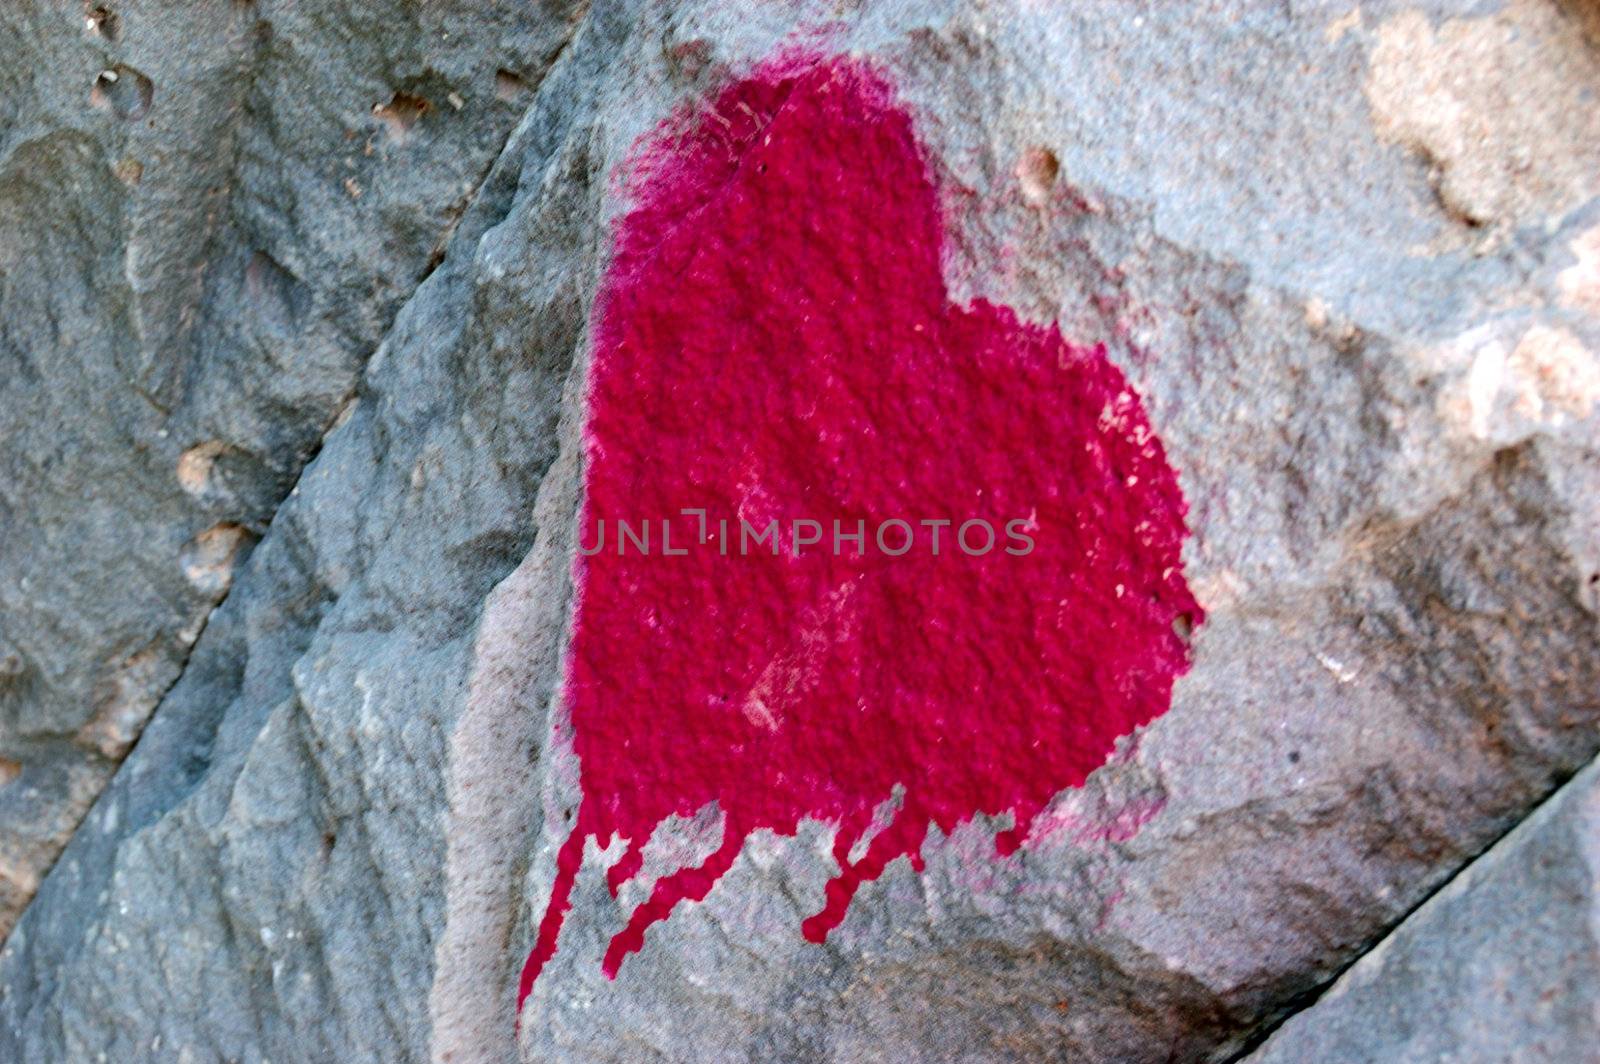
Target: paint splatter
(774,340)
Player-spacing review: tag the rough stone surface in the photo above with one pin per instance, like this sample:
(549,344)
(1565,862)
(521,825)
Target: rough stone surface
(334,835)
(1497,105)
(1502,964)
(208,218)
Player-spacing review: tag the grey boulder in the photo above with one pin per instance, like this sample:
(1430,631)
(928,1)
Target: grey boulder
(1367,338)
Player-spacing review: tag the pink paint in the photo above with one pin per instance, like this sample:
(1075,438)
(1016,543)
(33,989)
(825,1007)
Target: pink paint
(774,339)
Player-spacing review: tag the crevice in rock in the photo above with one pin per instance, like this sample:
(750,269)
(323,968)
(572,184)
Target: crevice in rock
(336,420)
(458,210)
(1308,999)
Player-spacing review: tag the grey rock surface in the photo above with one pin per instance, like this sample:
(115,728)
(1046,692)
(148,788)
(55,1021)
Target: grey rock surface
(1370,348)
(209,214)
(1502,964)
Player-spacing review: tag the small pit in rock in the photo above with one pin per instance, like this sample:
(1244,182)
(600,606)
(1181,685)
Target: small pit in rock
(100,21)
(508,86)
(123,91)
(403,111)
(208,560)
(195,466)
(1038,171)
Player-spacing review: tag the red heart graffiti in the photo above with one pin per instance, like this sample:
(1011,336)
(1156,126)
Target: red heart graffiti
(774,342)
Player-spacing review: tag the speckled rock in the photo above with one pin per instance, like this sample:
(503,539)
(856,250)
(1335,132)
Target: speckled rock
(1370,351)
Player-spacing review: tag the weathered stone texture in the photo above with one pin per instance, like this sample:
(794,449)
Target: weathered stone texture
(208,218)
(1502,964)
(235,364)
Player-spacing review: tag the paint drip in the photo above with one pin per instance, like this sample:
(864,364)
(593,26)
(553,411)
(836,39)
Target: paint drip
(774,339)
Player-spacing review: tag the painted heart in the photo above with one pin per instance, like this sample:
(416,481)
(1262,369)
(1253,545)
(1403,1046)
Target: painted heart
(774,349)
